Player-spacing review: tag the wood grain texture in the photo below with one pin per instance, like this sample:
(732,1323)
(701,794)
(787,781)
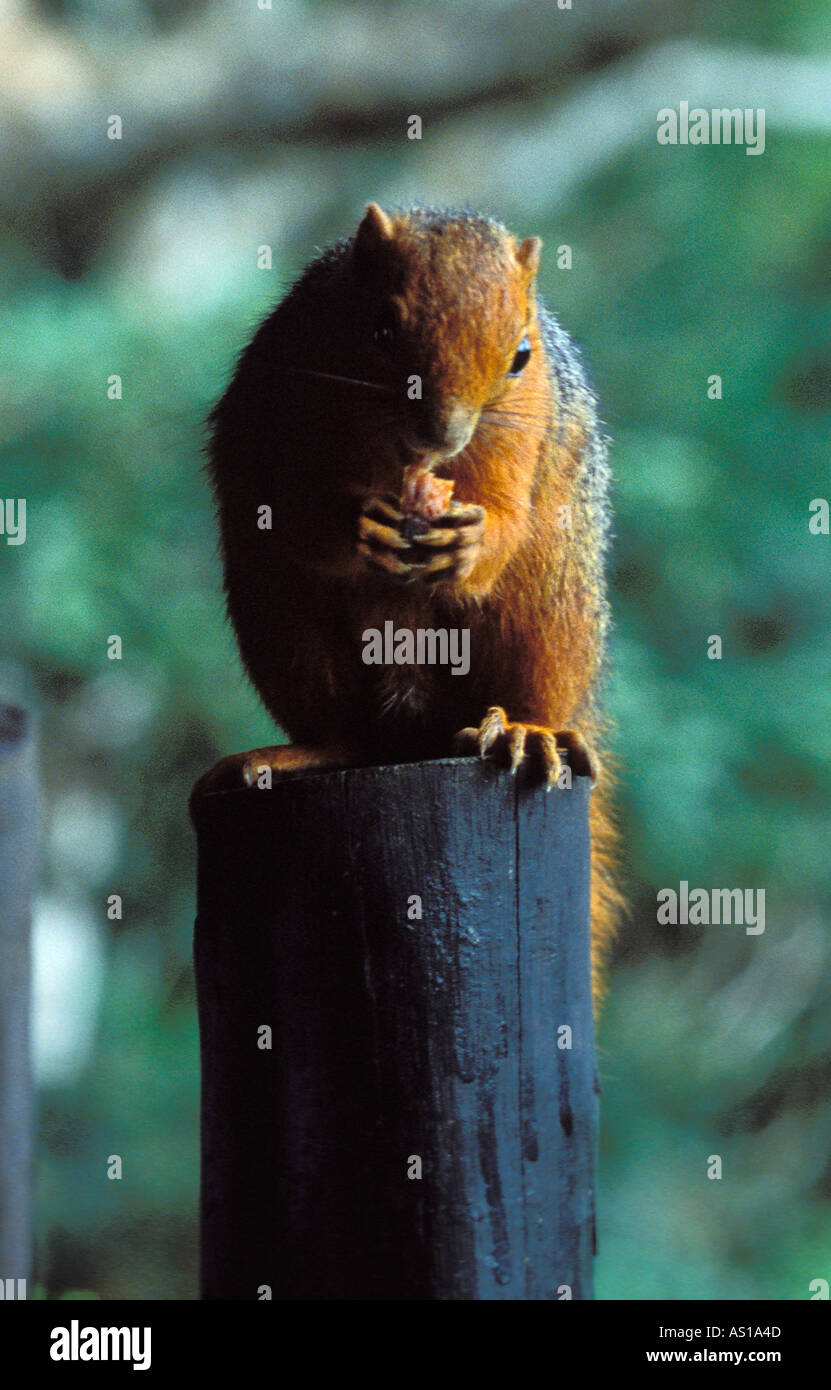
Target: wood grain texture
(394,1038)
(18,836)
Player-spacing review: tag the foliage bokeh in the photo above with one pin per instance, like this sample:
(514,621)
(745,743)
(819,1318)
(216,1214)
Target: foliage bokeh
(687,262)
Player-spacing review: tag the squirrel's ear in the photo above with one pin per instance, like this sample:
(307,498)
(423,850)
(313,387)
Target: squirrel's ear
(528,255)
(375,231)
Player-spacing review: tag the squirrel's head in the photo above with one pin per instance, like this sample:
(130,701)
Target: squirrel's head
(447,315)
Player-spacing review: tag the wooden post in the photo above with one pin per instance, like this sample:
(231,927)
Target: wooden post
(349,1043)
(18,834)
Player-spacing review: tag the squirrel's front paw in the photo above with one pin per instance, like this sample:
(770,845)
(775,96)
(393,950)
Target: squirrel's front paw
(518,743)
(380,539)
(452,544)
(441,551)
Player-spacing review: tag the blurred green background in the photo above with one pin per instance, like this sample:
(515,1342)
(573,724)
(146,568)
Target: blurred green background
(245,127)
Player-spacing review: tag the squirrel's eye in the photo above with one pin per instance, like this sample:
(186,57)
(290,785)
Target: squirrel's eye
(384,332)
(522,358)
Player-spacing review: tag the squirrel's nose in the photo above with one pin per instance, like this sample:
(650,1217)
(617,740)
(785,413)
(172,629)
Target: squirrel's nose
(443,430)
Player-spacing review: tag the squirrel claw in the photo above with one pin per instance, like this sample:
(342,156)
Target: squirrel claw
(409,549)
(382,509)
(446,566)
(382,560)
(379,534)
(453,544)
(447,529)
(518,743)
(381,542)
(446,537)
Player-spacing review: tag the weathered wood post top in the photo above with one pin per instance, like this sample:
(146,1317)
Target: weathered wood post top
(398,1068)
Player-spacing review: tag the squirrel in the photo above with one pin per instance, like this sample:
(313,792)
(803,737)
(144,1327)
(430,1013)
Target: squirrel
(420,344)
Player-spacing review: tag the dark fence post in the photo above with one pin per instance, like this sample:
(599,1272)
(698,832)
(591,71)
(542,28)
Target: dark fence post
(348,1043)
(18,835)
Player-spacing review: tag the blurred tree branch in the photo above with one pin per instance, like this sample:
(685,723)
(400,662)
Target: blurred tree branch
(253,77)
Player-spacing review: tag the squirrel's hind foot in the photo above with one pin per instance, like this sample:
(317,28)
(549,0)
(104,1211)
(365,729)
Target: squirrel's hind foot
(247,769)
